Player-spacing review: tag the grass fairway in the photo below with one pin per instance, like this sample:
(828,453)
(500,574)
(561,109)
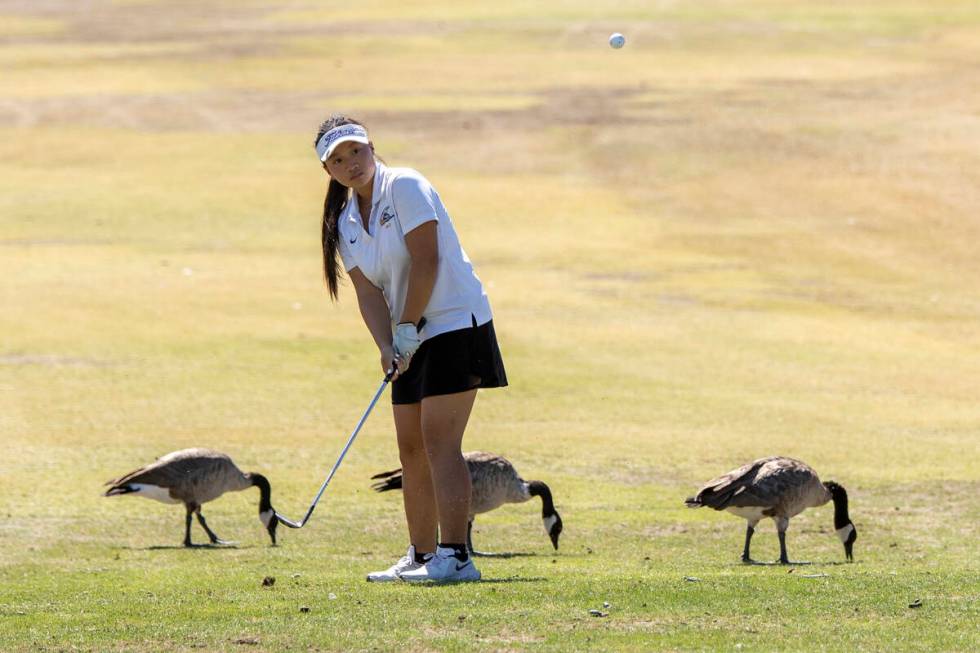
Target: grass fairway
(754,230)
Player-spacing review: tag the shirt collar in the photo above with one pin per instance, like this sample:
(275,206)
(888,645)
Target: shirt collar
(349,209)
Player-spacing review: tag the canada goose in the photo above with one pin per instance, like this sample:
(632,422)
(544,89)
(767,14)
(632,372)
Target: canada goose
(194,477)
(780,488)
(495,482)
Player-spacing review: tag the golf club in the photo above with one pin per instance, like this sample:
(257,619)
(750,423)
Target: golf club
(388,376)
(292,524)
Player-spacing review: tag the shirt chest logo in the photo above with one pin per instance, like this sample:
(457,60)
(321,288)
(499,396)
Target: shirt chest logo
(386,216)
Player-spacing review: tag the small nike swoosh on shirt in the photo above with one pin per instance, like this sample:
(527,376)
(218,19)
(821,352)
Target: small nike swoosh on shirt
(353,241)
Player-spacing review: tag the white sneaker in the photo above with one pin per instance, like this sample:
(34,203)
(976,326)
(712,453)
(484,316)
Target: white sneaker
(443,567)
(406,563)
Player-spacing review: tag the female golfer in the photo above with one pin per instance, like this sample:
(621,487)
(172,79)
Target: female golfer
(430,318)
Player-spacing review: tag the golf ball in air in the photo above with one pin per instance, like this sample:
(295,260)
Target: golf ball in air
(617,40)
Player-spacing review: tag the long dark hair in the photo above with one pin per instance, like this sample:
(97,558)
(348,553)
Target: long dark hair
(333,206)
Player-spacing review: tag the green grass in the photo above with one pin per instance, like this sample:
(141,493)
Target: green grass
(751,231)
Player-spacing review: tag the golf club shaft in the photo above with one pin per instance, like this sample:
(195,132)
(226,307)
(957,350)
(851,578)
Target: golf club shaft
(350,441)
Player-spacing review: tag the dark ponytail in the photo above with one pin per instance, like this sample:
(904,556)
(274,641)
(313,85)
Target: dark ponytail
(333,206)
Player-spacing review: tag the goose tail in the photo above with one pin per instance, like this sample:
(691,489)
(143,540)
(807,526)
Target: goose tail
(389,481)
(119,490)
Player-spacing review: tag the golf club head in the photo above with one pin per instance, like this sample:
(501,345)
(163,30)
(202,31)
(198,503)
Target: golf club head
(288,522)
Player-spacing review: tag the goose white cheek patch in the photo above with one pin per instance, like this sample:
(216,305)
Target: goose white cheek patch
(549,522)
(844,533)
(154,492)
(266,517)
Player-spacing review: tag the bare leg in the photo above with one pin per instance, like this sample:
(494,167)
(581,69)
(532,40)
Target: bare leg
(417,492)
(444,419)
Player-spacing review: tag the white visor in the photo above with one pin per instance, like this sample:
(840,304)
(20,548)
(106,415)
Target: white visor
(342,134)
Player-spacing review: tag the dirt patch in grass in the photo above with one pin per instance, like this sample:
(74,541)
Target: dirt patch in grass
(52,242)
(53,360)
(104,20)
(244,111)
(664,530)
(625,472)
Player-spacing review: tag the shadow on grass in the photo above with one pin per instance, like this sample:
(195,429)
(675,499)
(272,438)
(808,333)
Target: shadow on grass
(791,564)
(483,581)
(181,547)
(516,579)
(504,555)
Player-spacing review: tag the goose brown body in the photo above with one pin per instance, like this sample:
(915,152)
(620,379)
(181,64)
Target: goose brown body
(194,477)
(495,482)
(189,475)
(779,488)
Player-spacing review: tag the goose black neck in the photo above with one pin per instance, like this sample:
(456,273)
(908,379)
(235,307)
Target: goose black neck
(539,489)
(265,490)
(839,495)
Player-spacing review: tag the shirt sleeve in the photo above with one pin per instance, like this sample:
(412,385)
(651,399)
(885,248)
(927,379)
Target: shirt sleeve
(415,201)
(346,256)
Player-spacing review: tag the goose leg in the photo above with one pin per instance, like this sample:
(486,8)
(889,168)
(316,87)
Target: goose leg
(469,541)
(187,527)
(781,526)
(749,530)
(214,538)
(783,557)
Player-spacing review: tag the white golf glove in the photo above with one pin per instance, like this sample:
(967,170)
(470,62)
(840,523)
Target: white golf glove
(406,341)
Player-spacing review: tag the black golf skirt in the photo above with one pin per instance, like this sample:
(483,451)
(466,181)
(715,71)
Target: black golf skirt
(451,362)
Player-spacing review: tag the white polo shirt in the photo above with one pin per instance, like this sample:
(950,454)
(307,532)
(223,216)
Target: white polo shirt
(402,200)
